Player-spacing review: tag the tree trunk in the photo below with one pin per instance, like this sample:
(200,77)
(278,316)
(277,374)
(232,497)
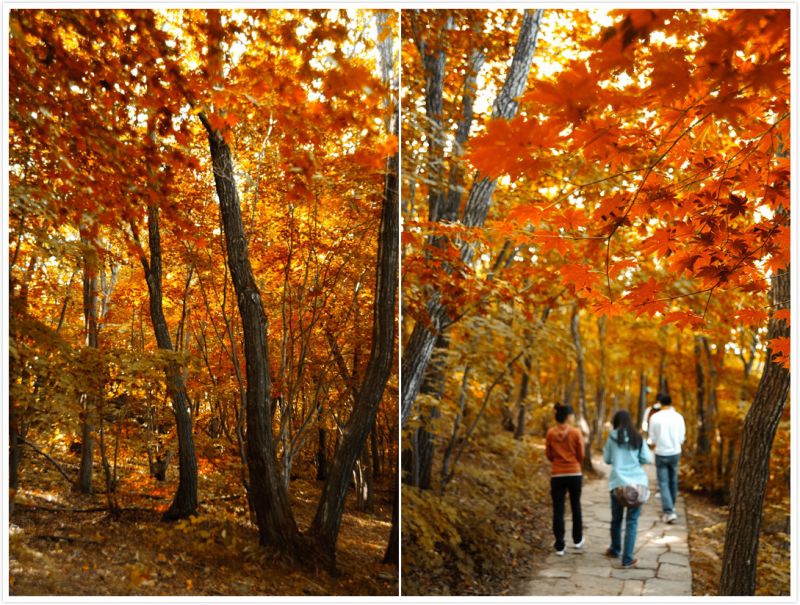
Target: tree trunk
(580,378)
(322,456)
(325,527)
(703,443)
(418,350)
(14,447)
(519,430)
(740,553)
(600,397)
(712,414)
(663,382)
(276,524)
(84,480)
(642,403)
(185,502)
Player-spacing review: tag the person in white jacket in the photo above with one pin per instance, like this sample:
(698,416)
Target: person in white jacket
(667,430)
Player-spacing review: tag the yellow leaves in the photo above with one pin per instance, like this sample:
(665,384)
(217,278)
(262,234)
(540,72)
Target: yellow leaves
(138,576)
(373,157)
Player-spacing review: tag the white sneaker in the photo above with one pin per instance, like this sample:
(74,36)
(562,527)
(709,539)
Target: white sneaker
(671,517)
(561,552)
(580,544)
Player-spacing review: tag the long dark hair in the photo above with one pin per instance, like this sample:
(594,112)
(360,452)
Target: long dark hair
(627,435)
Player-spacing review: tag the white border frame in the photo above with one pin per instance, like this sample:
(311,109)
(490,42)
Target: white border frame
(398,5)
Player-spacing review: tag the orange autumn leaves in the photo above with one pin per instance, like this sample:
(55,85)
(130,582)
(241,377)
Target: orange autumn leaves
(659,158)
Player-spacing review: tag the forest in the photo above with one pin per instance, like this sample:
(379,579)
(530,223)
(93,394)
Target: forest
(203,282)
(595,211)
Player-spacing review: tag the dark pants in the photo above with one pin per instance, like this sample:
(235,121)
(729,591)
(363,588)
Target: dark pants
(559,486)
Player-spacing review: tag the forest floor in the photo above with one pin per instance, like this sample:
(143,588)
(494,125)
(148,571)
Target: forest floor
(495,503)
(60,546)
(707,521)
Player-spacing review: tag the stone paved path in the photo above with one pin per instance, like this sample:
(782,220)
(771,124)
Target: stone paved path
(663,552)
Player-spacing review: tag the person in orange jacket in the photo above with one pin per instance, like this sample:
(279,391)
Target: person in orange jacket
(564,449)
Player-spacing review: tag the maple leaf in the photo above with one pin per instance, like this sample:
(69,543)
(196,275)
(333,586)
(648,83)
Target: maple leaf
(751,317)
(526,213)
(644,292)
(660,243)
(549,240)
(735,206)
(618,267)
(683,319)
(604,306)
(579,276)
(782,314)
(780,348)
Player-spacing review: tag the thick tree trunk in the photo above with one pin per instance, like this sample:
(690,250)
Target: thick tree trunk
(392,555)
(418,350)
(424,445)
(374,449)
(276,524)
(185,502)
(740,553)
(325,527)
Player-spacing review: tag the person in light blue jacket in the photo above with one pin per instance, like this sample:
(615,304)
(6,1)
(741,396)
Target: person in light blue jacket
(626,452)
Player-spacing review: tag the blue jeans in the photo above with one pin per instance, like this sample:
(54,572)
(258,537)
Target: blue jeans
(631,524)
(667,475)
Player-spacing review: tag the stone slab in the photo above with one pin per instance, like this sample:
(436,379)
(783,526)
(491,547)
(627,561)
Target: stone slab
(674,558)
(668,571)
(556,573)
(633,573)
(632,588)
(666,588)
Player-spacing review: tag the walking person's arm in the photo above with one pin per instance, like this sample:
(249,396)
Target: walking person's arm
(645,455)
(580,450)
(654,430)
(607,451)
